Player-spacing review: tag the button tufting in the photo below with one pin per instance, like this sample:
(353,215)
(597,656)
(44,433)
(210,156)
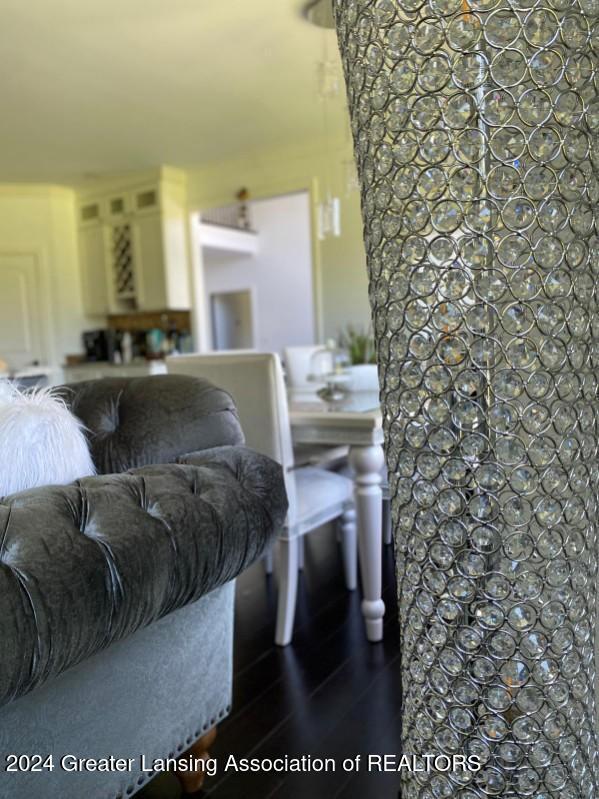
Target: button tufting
(153,510)
(124,565)
(108,424)
(110,420)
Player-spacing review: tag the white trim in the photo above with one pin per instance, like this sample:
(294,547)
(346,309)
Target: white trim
(200,302)
(223,239)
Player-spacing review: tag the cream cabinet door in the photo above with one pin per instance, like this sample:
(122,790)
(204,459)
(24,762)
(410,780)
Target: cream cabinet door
(21,339)
(93,242)
(149,263)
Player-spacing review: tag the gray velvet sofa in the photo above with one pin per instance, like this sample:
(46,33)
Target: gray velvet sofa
(116,592)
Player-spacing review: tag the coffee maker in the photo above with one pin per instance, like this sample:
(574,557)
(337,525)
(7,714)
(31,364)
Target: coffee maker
(100,345)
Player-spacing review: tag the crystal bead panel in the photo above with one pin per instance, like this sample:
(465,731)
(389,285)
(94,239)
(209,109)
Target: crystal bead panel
(475,127)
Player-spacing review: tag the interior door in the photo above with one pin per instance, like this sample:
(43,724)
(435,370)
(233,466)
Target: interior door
(20,320)
(232,320)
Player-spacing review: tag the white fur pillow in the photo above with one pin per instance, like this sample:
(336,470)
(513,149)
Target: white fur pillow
(41,441)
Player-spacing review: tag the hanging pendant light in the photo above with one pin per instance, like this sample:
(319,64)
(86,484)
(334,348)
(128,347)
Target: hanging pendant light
(320,13)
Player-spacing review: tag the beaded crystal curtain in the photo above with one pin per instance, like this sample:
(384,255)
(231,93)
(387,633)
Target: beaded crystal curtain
(475,125)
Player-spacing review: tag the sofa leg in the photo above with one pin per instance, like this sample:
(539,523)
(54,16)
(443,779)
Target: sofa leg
(192,781)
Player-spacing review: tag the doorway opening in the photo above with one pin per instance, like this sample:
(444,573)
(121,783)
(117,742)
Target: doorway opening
(265,253)
(232,320)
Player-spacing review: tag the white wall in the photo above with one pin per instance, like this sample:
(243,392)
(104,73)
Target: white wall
(279,276)
(340,262)
(40,221)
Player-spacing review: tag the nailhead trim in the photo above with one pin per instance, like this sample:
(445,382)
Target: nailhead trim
(188,741)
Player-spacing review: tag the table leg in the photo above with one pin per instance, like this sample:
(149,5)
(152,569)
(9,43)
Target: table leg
(367,463)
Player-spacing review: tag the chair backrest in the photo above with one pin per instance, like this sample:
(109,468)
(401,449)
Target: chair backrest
(255,381)
(298,365)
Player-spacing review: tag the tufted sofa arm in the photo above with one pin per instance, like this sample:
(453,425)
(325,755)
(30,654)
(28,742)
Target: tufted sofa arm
(85,565)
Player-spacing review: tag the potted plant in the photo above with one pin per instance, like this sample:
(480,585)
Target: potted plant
(362,355)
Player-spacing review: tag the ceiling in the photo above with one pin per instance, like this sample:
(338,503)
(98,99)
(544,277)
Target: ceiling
(92,87)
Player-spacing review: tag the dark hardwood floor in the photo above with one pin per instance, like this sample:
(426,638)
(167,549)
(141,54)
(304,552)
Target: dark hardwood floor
(329,694)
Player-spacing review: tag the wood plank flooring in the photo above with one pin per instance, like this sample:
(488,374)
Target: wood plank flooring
(329,694)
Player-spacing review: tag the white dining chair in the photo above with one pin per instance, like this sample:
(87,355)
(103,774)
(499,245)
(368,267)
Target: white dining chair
(298,366)
(316,496)
(364,377)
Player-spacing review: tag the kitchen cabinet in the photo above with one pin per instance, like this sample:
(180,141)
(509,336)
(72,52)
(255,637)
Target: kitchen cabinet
(133,245)
(92,261)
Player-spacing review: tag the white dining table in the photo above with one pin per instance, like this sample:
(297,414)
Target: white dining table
(355,421)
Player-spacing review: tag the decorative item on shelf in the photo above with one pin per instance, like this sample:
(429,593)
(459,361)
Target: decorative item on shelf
(185,344)
(243,209)
(154,341)
(475,126)
(127,347)
(329,365)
